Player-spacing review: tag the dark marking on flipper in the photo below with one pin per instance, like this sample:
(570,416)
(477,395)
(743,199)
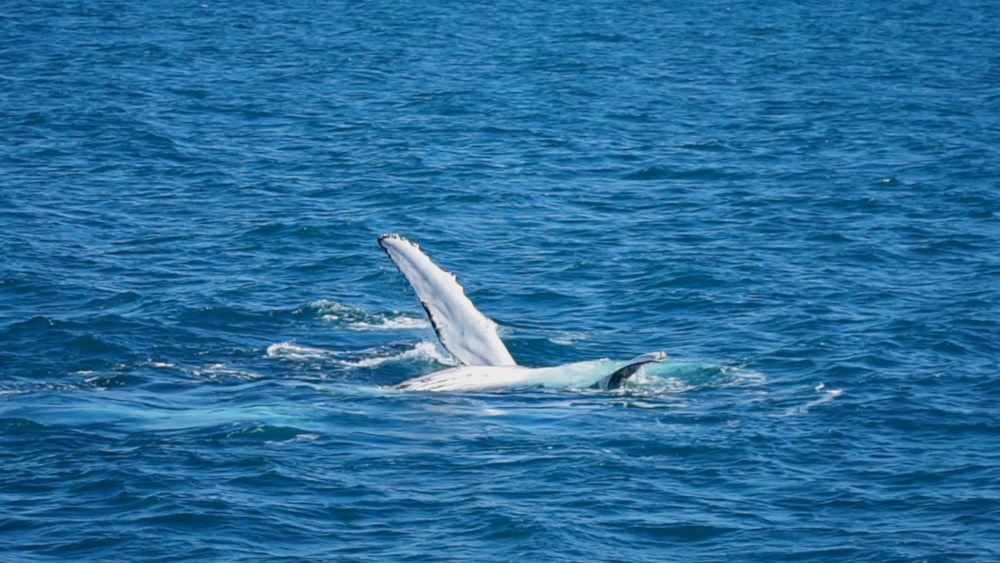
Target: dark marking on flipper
(427,310)
(462,330)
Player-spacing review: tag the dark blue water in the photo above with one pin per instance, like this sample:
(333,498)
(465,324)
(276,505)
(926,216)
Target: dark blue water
(799,202)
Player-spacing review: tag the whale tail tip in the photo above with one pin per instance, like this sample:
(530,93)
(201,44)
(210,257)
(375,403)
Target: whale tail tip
(616,379)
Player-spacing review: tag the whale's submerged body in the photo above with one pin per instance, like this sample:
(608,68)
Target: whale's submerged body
(472,339)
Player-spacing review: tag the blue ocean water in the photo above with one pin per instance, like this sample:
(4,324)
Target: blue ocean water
(799,202)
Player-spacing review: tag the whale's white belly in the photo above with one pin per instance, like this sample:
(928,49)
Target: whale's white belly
(474,378)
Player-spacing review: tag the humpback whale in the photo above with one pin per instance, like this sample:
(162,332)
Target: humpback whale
(472,338)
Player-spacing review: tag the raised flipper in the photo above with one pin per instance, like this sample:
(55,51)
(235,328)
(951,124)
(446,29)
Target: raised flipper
(615,380)
(465,332)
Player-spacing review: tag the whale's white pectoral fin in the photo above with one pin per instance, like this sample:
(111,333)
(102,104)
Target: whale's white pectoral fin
(463,331)
(615,380)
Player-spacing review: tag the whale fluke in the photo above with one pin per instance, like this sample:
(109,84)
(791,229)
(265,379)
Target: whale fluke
(615,380)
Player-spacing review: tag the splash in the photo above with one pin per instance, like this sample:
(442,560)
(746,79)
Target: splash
(356,319)
(422,352)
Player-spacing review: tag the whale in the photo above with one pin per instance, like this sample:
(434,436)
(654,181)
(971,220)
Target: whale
(471,337)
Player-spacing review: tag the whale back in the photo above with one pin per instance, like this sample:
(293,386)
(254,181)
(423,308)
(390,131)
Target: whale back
(462,330)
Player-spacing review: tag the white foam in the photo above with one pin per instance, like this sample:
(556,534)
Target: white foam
(567,338)
(422,351)
(427,352)
(649,405)
(357,319)
(649,384)
(289,351)
(828,396)
(325,307)
(742,377)
(217,372)
(385,323)
(154,364)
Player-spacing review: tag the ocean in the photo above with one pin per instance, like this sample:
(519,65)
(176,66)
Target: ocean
(200,337)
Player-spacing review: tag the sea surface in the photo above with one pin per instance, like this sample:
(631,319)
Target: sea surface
(199,336)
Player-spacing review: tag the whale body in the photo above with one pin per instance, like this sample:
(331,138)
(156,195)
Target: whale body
(472,338)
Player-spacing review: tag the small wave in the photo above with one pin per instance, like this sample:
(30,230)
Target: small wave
(222,372)
(155,364)
(597,37)
(887,181)
(93,344)
(711,145)
(34,324)
(289,351)
(26,388)
(567,338)
(273,432)
(666,173)
(117,301)
(827,396)
(6,392)
(296,438)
